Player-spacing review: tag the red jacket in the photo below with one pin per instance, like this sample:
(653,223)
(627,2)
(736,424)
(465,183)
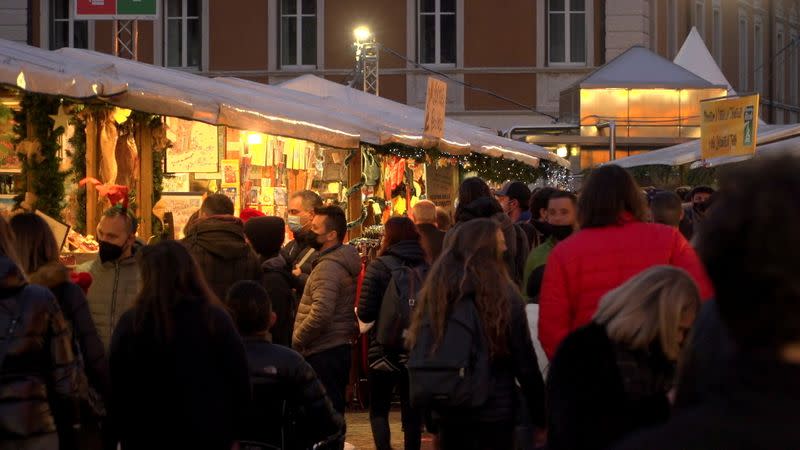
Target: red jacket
(594,261)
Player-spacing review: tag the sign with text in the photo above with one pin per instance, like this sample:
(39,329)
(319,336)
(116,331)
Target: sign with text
(117,9)
(728,126)
(435,103)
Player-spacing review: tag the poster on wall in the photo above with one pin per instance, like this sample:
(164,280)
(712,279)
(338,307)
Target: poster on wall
(230,173)
(182,206)
(6,205)
(441,185)
(9,161)
(178,182)
(195,146)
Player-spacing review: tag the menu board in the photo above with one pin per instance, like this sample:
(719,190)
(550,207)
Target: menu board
(195,146)
(182,206)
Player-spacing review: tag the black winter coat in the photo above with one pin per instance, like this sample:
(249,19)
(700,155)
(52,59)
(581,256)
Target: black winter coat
(432,240)
(191,392)
(278,280)
(290,409)
(295,252)
(588,406)
(376,281)
(40,368)
(755,409)
(218,245)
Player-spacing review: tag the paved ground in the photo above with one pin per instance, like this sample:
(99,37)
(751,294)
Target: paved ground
(359,434)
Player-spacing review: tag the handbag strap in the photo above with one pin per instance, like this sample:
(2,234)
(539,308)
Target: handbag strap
(15,318)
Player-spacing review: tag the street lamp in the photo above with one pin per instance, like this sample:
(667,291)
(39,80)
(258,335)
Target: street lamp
(362,34)
(367,58)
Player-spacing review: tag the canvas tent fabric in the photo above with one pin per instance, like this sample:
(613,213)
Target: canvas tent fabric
(169,92)
(640,68)
(695,57)
(771,139)
(394,122)
(36,70)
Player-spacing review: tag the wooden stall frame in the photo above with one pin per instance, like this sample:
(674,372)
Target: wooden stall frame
(92,144)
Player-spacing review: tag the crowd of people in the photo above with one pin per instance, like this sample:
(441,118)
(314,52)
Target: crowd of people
(613,317)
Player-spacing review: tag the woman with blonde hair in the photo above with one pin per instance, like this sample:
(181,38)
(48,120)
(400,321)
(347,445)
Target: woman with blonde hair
(614,376)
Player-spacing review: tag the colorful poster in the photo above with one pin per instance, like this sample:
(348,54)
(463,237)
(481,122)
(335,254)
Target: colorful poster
(280,196)
(9,162)
(258,154)
(232,194)
(267,196)
(195,147)
(254,195)
(230,173)
(177,182)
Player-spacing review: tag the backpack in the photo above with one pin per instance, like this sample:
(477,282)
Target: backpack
(457,374)
(401,294)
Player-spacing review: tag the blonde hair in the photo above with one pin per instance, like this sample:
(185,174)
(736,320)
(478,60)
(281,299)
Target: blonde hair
(649,306)
(424,212)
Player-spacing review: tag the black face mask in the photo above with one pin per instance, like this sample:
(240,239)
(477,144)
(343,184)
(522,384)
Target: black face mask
(109,252)
(313,241)
(701,206)
(561,232)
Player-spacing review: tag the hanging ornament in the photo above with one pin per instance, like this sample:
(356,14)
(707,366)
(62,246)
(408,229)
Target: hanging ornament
(61,119)
(32,149)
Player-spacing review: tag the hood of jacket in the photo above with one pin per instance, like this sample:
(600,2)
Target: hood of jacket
(11,278)
(50,275)
(275,263)
(345,255)
(222,236)
(410,251)
(484,207)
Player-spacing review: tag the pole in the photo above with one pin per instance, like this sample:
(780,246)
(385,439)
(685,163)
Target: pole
(613,140)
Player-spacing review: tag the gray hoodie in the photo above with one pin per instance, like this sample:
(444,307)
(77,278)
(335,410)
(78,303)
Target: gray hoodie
(326,316)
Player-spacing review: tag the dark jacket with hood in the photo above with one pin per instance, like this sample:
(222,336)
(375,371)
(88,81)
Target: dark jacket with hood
(72,301)
(297,251)
(39,370)
(516,240)
(376,281)
(290,409)
(326,317)
(277,280)
(431,240)
(219,247)
(598,392)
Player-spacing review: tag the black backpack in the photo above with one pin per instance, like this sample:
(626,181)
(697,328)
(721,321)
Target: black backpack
(401,294)
(457,374)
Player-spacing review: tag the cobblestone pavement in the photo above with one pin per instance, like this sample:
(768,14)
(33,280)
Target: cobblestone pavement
(359,434)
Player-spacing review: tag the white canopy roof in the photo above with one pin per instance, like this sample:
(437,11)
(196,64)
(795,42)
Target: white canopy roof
(393,122)
(159,90)
(45,72)
(770,139)
(695,57)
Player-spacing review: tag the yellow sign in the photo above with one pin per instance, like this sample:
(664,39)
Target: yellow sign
(729,126)
(435,103)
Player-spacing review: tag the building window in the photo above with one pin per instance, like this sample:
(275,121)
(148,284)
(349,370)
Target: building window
(183,40)
(758,57)
(743,47)
(65,31)
(716,24)
(779,68)
(298,33)
(567,31)
(794,66)
(437,31)
(699,17)
(672,28)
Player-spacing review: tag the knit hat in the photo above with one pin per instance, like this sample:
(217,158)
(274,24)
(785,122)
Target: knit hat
(249,213)
(265,234)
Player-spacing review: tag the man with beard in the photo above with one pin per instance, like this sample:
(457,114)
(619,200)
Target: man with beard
(695,213)
(538,209)
(299,253)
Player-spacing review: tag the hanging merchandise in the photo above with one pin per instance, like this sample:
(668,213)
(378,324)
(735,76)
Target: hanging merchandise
(127,158)
(108,146)
(395,174)
(372,169)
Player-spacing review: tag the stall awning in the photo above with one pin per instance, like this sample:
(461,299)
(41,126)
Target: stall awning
(393,122)
(159,90)
(35,70)
(771,139)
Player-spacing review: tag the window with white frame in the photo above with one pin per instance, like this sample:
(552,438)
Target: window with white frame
(567,31)
(743,51)
(699,17)
(672,28)
(298,33)
(183,40)
(65,31)
(780,80)
(794,67)
(758,57)
(437,31)
(716,25)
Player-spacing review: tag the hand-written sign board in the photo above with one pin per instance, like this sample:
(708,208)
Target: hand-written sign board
(441,185)
(182,206)
(729,126)
(435,104)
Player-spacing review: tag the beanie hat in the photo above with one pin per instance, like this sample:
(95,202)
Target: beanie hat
(249,213)
(265,234)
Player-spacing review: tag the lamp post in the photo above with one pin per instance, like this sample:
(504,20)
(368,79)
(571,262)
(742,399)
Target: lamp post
(367,59)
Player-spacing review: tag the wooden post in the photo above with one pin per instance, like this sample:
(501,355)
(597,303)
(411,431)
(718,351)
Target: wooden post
(145,195)
(92,138)
(354,206)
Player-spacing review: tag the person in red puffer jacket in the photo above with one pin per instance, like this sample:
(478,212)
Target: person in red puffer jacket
(614,245)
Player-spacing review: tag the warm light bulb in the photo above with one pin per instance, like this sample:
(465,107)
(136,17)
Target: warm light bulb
(362,34)
(561,151)
(21,81)
(254,139)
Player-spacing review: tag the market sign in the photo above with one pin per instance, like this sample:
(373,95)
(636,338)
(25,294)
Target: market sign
(116,9)
(729,126)
(435,103)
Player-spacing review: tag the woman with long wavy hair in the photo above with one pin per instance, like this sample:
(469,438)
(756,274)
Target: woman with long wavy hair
(178,365)
(471,268)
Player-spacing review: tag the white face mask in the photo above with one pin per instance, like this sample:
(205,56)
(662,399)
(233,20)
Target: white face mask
(295,224)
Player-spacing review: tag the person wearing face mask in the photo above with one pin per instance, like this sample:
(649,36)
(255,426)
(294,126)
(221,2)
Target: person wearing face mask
(695,213)
(515,198)
(115,272)
(299,253)
(326,323)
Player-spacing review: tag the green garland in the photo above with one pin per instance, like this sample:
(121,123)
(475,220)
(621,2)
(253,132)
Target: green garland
(670,177)
(43,177)
(78,171)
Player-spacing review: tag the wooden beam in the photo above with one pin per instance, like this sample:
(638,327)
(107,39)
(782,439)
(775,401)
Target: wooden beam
(144,139)
(354,206)
(92,142)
